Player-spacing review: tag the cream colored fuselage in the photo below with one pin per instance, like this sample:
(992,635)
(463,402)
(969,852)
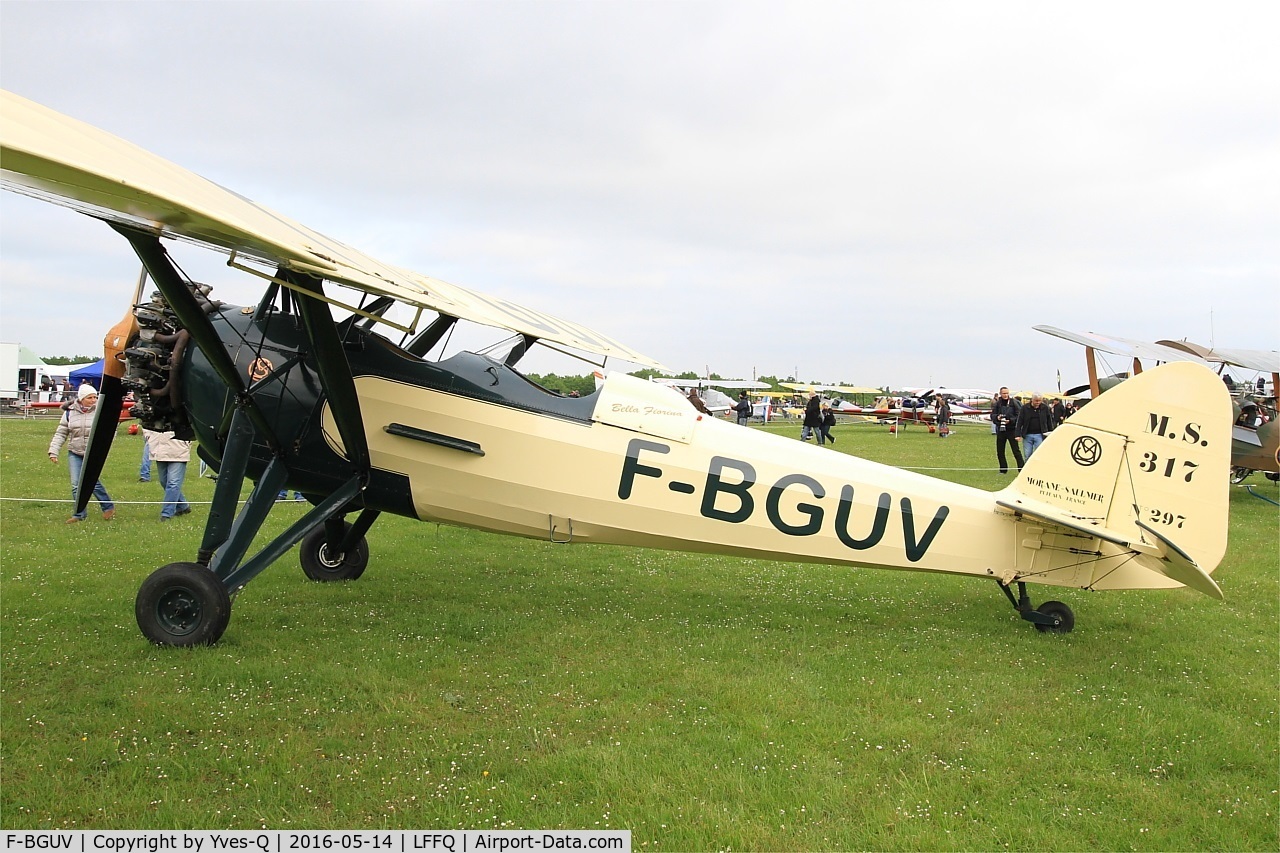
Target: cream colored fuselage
(649,471)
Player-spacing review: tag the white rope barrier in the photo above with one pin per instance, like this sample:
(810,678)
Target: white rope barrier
(139,503)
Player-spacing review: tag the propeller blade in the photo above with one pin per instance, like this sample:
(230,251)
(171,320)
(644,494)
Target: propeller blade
(105,420)
(110,398)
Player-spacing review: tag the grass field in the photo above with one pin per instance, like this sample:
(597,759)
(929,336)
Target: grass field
(475,681)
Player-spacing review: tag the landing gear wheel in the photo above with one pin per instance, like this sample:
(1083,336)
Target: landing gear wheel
(1273,476)
(183,604)
(320,565)
(1239,474)
(1061,612)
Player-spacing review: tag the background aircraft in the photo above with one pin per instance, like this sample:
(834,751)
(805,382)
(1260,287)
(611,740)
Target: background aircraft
(1255,433)
(968,397)
(836,396)
(289,395)
(710,390)
(1255,441)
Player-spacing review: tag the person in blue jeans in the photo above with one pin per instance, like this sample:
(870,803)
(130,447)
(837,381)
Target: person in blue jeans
(144,470)
(73,431)
(170,456)
(1035,421)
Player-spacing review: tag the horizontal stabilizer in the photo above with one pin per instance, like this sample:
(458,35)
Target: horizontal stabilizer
(1051,515)
(1178,565)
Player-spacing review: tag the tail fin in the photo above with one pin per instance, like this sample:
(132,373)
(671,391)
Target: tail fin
(1144,466)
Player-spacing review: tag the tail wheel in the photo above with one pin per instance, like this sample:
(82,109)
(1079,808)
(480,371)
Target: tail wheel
(183,604)
(321,564)
(1065,619)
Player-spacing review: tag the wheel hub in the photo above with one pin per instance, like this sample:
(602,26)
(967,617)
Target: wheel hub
(178,610)
(329,562)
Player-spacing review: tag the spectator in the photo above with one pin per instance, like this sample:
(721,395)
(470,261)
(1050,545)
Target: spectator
(144,470)
(73,430)
(1035,421)
(812,418)
(828,421)
(1004,426)
(170,456)
(943,416)
(1059,411)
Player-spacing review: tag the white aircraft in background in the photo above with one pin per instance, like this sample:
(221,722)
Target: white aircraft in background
(716,401)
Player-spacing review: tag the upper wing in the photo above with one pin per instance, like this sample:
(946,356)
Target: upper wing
(1121,346)
(60,159)
(1250,359)
(1267,360)
(854,389)
(709,383)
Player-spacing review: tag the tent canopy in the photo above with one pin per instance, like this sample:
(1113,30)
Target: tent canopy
(91,373)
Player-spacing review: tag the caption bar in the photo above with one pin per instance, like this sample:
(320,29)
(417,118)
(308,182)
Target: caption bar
(291,841)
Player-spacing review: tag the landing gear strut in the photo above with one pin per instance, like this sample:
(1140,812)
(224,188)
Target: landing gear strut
(1052,617)
(322,560)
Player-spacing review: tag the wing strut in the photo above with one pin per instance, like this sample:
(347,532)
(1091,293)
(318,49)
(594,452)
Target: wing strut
(192,316)
(430,336)
(332,366)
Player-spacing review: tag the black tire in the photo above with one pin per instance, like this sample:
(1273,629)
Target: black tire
(183,604)
(319,565)
(1273,475)
(1239,474)
(1066,619)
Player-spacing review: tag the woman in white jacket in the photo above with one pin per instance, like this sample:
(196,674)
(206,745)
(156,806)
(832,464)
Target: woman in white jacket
(73,431)
(170,456)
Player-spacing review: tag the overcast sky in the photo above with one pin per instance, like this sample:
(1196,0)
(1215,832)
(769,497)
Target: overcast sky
(877,193)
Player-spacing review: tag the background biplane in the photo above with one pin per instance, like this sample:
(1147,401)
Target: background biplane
(289,394)
(843,399)
(1255,432)
(1255,428)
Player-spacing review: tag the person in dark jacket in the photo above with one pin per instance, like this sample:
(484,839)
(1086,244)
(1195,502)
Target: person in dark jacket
(812,418)
(943,416)
(1035,421)
(697,403)
(1004,425)
(828,421)
(743,408)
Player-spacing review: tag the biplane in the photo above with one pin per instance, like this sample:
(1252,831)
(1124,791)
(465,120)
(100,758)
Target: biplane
(1255,433)
(921,405)
(833,395)
(340,402)
(956,397)
(1255,427)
